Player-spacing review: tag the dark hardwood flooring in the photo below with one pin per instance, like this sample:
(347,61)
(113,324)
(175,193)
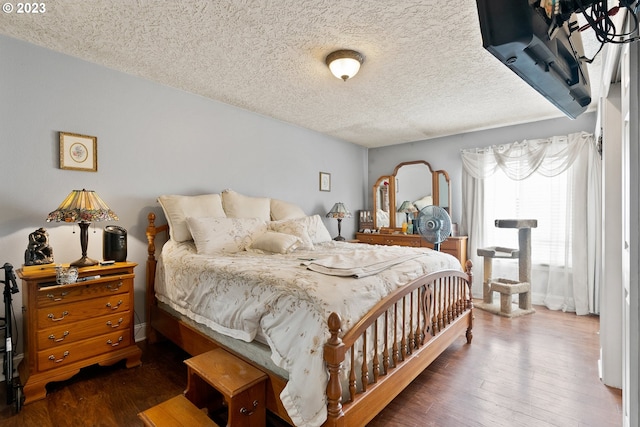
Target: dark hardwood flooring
(536,370)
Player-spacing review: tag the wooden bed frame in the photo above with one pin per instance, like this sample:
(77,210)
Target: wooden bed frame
(444,313)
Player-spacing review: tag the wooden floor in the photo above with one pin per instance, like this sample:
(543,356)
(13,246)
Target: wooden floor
(537,370)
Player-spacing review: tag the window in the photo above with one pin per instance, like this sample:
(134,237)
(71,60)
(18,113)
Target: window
(536,197)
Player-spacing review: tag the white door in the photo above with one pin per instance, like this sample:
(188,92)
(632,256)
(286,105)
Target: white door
(630,87)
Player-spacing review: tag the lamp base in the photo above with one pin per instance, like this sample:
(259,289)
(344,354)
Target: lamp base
(84,262)
(338,238)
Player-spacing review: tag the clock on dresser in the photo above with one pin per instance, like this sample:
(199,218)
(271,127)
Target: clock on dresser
(68,327)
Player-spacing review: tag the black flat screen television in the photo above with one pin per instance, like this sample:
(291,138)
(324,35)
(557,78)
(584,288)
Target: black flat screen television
(543,54)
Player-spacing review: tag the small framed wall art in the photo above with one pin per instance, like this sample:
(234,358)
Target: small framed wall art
(325,181)
(78,152)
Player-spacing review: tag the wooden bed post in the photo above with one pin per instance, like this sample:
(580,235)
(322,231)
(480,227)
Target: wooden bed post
(151,276)
(334,352)
(468,270)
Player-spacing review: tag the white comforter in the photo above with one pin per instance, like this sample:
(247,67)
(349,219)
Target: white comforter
(240,294)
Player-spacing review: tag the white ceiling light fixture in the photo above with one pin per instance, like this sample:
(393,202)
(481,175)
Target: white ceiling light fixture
(344,64)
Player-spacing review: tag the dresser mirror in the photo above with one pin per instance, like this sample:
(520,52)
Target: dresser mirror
(415,182)
(382,202)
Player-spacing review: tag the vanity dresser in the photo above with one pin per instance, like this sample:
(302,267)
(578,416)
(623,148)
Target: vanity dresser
(417,183)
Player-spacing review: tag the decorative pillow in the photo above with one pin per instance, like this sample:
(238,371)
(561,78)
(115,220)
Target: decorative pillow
(237,205)
(224,235)
(295,227)
(284,210)
(317,230)
(176,208)
(425,201)
(279,243)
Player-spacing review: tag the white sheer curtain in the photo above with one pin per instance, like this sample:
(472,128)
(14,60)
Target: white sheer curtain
(571,285)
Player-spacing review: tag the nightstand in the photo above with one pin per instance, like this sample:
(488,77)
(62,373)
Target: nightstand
(68,327)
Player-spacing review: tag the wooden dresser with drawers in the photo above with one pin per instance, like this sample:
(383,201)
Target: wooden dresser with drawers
(68,327)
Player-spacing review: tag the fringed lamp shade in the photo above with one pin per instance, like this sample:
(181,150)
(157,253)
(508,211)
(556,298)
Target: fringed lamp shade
(84,207)
(339,211)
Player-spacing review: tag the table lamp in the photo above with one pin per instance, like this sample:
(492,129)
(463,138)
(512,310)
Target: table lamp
(339,211)
(85,207)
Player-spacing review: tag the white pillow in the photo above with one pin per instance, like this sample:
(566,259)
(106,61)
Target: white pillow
(295,227)
(425,201)
(224,235)
(279,243)
(317,230)
(237,205)
(176,208)
(285,210)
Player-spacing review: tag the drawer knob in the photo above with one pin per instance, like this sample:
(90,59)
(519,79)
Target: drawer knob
(115,344)
(59,298)
(116,306)
(57,319)
(113,288)
(54,360)
(64,335)
(110,323)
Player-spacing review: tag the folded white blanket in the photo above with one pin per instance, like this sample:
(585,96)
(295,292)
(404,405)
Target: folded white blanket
(358,264)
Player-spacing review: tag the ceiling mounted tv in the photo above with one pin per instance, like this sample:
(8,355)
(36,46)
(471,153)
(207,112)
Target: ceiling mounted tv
(527,39)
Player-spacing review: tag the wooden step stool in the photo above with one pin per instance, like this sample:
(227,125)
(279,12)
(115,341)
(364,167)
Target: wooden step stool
(242,386)
(176,412)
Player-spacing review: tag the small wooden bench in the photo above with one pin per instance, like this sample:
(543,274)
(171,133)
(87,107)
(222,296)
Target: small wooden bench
(176,412)
(241,386)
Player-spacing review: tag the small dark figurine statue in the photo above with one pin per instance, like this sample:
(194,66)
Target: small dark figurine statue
(38,251)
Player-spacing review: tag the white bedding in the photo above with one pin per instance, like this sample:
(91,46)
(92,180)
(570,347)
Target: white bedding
(245,293)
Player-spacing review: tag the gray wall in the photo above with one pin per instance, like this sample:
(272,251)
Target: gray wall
(444,153)
(152,140)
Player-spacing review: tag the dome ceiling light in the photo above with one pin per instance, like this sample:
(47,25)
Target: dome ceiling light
(344,64)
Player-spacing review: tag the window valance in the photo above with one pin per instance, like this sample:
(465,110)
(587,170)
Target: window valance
(518,160)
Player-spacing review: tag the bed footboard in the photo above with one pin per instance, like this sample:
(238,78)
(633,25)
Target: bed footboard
(380,353)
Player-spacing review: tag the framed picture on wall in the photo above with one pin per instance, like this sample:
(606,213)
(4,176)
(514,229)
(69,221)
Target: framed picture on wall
(78,152)
(325,181)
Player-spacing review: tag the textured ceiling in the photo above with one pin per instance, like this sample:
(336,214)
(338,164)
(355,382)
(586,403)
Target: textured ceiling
(425,72)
